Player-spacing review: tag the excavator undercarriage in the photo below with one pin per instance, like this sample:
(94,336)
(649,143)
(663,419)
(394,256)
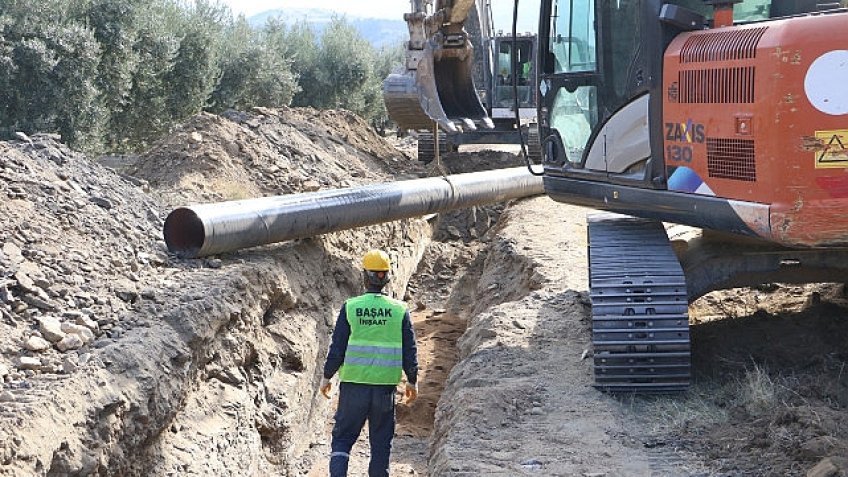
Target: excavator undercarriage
(642,278)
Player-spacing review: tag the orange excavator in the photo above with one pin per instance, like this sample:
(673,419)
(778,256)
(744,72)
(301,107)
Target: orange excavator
(724,115)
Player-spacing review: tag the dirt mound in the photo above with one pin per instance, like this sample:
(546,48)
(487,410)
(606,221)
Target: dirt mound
(268,152)
(79,243)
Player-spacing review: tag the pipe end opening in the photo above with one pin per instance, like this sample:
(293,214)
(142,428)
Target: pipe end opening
(184,233)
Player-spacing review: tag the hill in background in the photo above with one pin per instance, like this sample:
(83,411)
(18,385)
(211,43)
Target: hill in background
(379,32)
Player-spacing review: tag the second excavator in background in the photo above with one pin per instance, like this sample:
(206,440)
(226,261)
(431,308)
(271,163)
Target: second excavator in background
(724,115)
(458,66)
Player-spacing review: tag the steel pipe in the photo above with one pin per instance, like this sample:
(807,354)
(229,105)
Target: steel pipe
(209,229)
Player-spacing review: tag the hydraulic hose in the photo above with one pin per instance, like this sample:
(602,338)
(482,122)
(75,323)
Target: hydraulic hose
(517,104)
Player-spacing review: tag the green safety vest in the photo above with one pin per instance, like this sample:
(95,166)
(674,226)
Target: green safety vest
(375,348)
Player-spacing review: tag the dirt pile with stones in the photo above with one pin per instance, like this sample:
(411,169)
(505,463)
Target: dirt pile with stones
(268,152)
(116,356)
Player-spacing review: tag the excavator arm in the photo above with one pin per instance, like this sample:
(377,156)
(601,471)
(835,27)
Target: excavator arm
(437,83)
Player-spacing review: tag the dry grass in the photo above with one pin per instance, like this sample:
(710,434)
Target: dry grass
(709,403)
(232,190)
(695,409)
(758,392)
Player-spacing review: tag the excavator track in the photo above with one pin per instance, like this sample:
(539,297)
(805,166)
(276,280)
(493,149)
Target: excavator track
(427,146)
(534,145)
(640,320)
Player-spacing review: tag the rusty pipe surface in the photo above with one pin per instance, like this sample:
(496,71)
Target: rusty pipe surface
(208,229)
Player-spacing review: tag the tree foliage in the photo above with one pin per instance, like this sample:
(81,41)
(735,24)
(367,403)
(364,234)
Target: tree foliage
(255,69)
(117,74)
(341,69)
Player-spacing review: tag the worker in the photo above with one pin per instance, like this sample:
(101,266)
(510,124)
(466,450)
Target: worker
(372,342)
(525,74)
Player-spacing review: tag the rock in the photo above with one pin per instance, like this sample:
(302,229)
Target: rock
(101,202)
(40,303)
(20,136)
(4,371)
(195,137)
(825,468)
(43,284)
(25,282)
(214,263)
(126,291)
(84,320)
(68,366)
(594,474)
(28,363)
(518,325)
(13,254)
(5,294)
(311,186)
(532,464)
(34,343)
(51,329)
(70,342)
(148,294)
(83,332)
(817,447)
(7,396)
(116,332)
(454,232)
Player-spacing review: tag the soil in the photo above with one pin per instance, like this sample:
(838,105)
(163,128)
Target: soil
(117,358)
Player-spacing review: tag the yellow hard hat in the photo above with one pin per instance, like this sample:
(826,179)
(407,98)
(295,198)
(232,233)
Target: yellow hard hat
(376,261)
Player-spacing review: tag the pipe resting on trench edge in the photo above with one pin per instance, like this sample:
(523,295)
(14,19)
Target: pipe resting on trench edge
(209,229)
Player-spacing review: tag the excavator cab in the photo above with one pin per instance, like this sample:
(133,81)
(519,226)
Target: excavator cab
(600,63)
(503,92)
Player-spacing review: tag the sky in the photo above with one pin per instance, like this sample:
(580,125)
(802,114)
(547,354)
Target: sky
(360,8)
(391,9)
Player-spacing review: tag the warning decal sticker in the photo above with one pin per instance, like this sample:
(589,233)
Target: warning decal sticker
(834,149)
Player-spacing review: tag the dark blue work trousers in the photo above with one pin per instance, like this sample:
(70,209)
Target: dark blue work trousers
(358,403)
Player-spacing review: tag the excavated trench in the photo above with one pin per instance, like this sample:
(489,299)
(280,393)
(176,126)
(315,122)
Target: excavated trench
(442,294)
(249,404)
(246,398)
(208,366)
(204,367)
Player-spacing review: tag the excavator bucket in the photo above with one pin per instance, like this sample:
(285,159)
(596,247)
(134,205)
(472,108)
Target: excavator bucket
(440,90)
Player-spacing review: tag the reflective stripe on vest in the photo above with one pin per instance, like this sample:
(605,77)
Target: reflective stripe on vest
(375,348)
